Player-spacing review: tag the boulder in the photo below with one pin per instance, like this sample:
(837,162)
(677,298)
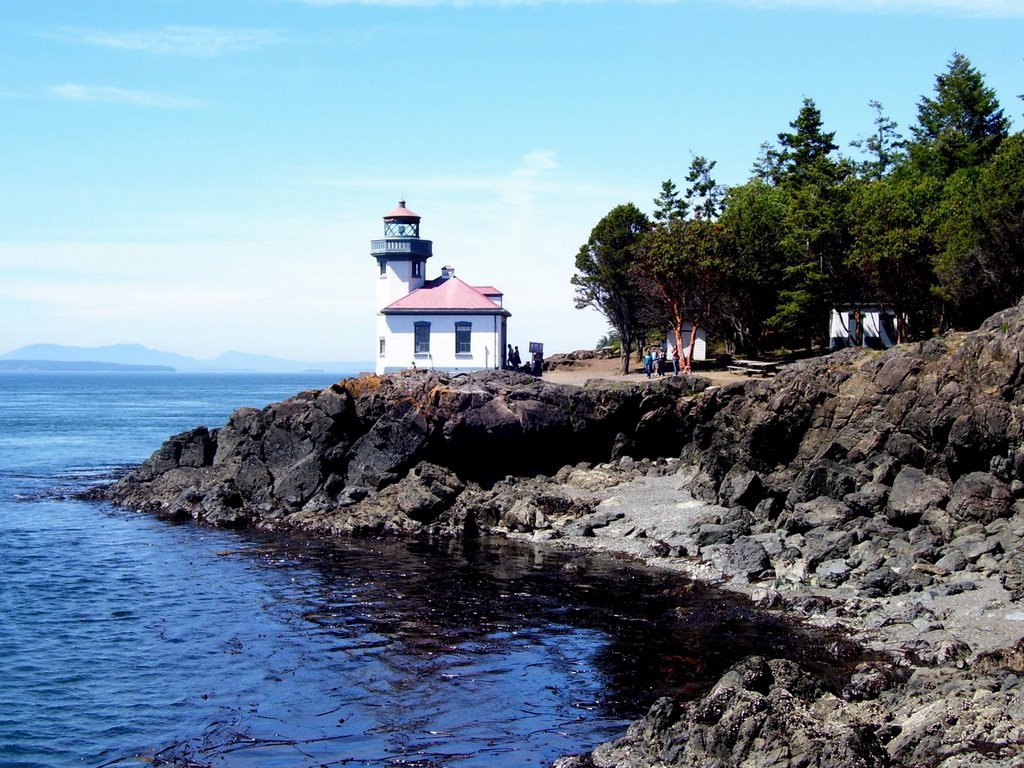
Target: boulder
(979,497)
(913,492)
(744,560)
(821,512)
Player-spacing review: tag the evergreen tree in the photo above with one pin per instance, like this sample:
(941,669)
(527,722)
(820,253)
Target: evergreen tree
(752,263)
(980,265)
(669,206)
(885,147)
(962,126)
(805,155)
(604,278)
(814,278)
(893,239)
(704,189)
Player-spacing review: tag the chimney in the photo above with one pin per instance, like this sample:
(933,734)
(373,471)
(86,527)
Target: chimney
(447,271)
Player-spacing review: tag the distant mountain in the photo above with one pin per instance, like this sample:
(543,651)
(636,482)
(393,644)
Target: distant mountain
(138,355)
(67,366)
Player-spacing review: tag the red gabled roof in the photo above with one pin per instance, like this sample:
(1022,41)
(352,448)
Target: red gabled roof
(488,290)
(443,295)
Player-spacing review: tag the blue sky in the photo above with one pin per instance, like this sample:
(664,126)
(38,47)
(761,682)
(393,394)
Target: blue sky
(206,175)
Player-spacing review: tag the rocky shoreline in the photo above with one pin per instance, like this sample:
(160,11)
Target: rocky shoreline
(880,494)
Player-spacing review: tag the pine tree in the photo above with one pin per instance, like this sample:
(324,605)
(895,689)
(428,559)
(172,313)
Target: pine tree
(962,126)
(885,147)
(669,206)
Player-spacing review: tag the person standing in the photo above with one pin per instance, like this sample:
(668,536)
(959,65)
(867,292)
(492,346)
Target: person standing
(648,361)
(675,359)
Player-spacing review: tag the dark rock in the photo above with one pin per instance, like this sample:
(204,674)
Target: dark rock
(1012,574)
(824,478)
(869,499)
(741,488)
(759,713)
(390,446)
(868,682)
(881,582)
(745,559)
(821,544)
(912,493)
(712,533)
(979,497)
(368,433)
(822,512)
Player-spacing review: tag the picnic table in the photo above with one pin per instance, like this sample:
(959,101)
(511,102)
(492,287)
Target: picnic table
(754,367)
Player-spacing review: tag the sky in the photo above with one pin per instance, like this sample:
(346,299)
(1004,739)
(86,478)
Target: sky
(199,176)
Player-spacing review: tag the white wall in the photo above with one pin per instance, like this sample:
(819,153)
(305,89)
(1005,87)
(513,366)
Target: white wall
(486,338)
(841,329)
(397,281)
(700,348)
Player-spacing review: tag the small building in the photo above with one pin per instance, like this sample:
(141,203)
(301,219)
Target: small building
(700,346)
(442,324)
(863,325)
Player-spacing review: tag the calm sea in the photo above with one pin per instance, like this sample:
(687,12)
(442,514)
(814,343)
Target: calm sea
(125,639)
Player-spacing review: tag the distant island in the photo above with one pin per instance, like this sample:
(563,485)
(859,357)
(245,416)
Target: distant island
(135,357)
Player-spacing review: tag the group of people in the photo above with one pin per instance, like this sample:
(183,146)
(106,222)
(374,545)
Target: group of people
(514,362)
(655,362)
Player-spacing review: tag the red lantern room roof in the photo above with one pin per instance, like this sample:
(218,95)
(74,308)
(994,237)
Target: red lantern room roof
(401,212)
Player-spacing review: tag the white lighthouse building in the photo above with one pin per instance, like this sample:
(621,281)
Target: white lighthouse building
(442,324)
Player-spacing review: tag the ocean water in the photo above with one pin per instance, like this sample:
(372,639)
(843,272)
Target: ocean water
(124,639)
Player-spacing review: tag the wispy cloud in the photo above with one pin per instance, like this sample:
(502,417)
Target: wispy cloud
(205,42)
(112,95)
(990,8)
(532,168)
(535,163)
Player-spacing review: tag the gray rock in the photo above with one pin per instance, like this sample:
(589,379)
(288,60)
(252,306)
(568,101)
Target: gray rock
(744,559)
(758,714)
(832,573)
(868,499)
(979,497)
(824,477)
(710,534)
(952,561)
(1012,573)
(821,512)
(882,581)
(912,493)
(741,487)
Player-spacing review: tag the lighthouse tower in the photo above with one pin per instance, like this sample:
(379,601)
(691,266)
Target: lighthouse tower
(401,256)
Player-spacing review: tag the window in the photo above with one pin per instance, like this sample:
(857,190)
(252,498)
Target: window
(417,269)
(462,338)
(383,267)
(382,345)
(421,339)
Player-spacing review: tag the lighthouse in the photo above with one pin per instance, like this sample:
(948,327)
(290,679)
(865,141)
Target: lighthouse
(440,324)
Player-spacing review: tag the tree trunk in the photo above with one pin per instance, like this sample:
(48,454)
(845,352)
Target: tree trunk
(677,321)
(626,349)
(693,345)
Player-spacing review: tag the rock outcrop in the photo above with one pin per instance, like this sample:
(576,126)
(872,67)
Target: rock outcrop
(885,472)
(393,454)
